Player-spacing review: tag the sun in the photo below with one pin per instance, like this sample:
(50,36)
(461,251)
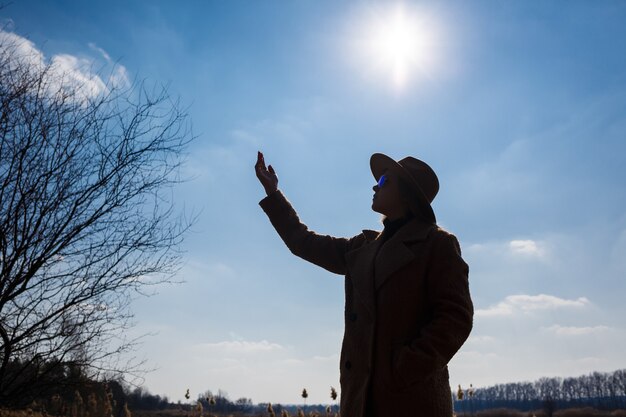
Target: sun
(397,43)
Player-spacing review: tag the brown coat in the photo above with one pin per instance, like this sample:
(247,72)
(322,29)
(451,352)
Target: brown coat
(408,310)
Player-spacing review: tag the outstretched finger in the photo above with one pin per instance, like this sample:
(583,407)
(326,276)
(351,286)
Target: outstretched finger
(271,169)
(260,161)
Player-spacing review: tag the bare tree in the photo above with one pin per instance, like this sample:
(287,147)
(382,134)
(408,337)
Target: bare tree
(86,216)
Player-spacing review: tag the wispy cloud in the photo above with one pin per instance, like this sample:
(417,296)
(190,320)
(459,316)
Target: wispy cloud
(576,331)
(118,76)
(526,303)
(481,339)
(512,249)
(102,52)
(241,347)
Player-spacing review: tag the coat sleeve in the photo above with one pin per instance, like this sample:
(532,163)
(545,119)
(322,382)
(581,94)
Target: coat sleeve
(325,251)
(451,317)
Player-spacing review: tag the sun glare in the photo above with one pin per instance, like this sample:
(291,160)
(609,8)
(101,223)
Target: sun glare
(397,43)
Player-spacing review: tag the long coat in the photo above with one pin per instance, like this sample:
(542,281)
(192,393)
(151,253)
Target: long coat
(407,312)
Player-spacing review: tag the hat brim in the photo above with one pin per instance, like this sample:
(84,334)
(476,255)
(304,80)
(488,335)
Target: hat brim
(379,163)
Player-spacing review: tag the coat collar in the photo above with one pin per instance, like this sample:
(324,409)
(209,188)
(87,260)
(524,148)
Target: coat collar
(371,264)
(395,253)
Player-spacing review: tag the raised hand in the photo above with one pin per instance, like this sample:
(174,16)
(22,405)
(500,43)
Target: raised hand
(266,176)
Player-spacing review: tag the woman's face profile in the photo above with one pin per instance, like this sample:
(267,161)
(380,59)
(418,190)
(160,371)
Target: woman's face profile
(387,198)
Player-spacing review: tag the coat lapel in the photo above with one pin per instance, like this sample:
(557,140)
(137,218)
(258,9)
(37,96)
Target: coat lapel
(368,271)
(360,263)
(395,253)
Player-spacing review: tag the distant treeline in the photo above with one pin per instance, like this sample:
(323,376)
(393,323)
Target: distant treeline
(63,388)
(602,391)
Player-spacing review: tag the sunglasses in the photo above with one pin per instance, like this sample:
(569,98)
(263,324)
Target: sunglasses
(382,180)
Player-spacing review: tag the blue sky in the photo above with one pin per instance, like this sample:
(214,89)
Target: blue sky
(518,106)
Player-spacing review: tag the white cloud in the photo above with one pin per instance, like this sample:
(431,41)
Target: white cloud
(513,250)
(575,331)
(525,247)
(67,71)
(240,347)
(25,50)
(526,303)
(77,72)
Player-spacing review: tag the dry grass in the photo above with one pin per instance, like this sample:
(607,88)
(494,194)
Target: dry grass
(181,413)
(21,413)
(572,412)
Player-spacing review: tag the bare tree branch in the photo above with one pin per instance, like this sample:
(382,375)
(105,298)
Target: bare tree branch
(86,219)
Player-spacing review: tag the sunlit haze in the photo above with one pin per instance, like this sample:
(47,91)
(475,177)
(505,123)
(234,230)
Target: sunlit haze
(397,43)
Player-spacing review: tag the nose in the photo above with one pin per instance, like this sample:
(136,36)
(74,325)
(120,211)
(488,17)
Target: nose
(376,188)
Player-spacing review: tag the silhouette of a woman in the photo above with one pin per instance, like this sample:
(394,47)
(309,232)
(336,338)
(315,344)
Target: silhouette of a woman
(407,303)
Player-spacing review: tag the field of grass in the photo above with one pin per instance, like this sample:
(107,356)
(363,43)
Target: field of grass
(578,412)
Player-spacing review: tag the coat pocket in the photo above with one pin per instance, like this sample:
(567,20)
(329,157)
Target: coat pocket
(397,366)
(403,375)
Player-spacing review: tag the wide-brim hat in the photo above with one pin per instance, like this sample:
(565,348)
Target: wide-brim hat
(417,174)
